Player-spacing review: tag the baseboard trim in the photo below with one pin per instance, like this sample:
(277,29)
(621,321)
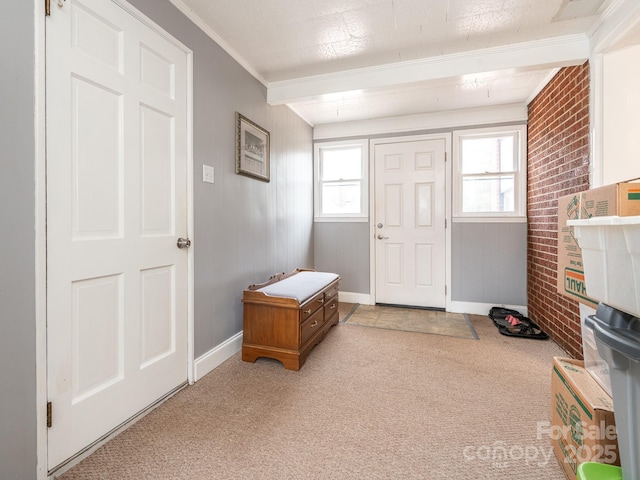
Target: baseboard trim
(217,355)
(454,306)
(482,308)
(352,297)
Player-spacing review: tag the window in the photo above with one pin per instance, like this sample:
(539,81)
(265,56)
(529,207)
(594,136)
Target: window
(341,181)
(490,181)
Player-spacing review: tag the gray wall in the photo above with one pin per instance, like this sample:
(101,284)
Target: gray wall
(489,263)
(488,260)
(245,230)
(17,237)
(343,248)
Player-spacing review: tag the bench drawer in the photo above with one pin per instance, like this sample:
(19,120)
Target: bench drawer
(310,306)
(331,291)
(309,328)
(331,307)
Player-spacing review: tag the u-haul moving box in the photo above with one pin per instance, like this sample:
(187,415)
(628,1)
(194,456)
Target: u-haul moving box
(582,419)
(570,269)
(622,199)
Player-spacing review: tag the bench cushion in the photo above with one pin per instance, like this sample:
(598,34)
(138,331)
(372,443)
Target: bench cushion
(300,286)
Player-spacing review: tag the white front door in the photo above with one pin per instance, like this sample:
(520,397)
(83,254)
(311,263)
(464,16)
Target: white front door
(117,285)
(410,214)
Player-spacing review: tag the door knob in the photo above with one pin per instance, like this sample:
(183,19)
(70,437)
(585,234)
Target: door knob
(183,243)
(381,237)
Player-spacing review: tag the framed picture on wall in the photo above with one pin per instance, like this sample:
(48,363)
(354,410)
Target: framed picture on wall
(252,149)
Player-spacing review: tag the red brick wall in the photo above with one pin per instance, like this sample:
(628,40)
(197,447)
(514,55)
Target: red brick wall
(558,164)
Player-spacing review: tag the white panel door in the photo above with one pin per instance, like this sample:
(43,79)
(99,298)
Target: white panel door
(117,284)
(410,213)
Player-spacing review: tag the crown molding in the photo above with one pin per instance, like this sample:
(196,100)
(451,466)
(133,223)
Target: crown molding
(542,84)
(202,25)
(617,21)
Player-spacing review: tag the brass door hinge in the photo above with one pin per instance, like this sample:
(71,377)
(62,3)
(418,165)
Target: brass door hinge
(47,6)
(49,415)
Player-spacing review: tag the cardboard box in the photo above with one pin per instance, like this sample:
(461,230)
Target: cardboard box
(622,199)
(570,267)
(582,419)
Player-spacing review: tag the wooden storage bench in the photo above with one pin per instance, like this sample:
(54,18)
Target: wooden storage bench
(285,317)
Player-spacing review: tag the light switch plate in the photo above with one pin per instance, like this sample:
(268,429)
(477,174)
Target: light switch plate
(207,174)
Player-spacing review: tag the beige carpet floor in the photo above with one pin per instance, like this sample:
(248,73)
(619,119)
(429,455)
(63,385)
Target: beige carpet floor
(412,320)
(369,403)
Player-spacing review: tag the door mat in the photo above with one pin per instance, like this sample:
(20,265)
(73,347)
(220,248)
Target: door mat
(407,319)
(513,324)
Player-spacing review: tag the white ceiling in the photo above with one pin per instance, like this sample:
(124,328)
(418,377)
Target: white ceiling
(344,60)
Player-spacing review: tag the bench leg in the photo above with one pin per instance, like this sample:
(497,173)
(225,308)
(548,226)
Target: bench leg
(291,360)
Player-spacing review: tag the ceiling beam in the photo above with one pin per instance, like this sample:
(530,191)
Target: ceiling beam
(548,53)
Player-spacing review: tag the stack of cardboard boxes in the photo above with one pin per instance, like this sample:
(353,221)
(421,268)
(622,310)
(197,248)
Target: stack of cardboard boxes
(582,418)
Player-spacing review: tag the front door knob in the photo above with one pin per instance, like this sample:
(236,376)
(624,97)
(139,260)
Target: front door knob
(381,237)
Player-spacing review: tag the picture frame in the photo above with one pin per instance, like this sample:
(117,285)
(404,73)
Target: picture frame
(252,149)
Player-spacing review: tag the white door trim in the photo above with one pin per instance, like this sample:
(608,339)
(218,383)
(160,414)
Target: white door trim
(41,240)
(40,217)
(372,213)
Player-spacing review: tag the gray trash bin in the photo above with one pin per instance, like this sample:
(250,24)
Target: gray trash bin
(618,341)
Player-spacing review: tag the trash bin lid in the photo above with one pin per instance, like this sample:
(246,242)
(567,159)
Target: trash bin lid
(618,330)
(598,471)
